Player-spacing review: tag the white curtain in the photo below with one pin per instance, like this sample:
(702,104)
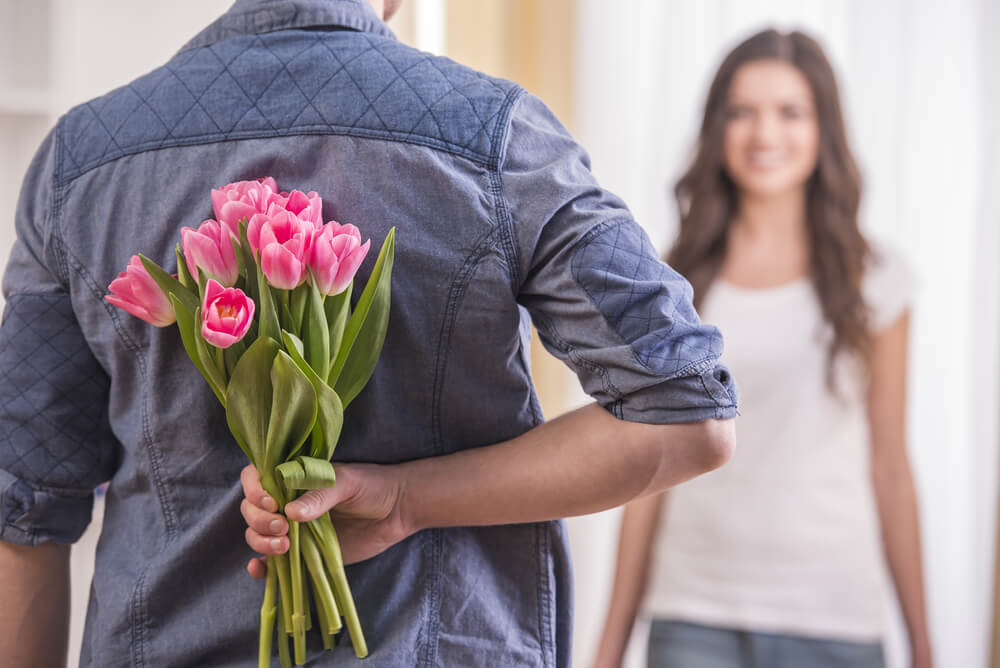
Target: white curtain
(918,79)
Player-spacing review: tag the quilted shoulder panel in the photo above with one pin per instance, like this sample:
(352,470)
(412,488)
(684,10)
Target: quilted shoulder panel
(293,82)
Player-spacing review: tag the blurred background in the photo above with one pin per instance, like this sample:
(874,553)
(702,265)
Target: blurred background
(628,78)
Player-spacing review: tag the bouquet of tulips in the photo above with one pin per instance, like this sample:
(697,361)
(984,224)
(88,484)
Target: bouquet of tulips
(262,299)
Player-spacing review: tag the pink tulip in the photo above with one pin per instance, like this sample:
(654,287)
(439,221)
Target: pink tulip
(306,207)
(136,292)
(211,248)
(282,241)
(337,253)
(243,199)
(226,314)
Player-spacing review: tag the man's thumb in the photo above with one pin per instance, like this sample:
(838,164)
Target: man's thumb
(312,504)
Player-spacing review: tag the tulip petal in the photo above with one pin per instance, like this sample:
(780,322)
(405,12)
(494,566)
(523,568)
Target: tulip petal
(282,269)
(349,267)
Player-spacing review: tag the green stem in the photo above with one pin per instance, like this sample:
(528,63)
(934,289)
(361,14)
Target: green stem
(324,623)
(330,547)
(306,607)
(271,486)
(284,589)
(325,604)
(267,613)
(220,359)
(298,616)
(283,655)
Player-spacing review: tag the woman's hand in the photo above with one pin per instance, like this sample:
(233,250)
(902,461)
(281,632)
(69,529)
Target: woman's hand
(365,504)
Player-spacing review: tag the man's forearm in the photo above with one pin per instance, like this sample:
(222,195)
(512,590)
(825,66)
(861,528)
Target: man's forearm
(582,462)
(34,618)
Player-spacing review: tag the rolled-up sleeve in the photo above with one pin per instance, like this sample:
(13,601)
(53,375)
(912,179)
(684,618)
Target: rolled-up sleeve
(601,299)
(55,442)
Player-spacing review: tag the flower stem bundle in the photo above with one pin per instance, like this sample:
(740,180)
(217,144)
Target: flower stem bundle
(262,300)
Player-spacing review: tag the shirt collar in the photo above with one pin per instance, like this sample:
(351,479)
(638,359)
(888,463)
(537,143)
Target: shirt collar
(254,17)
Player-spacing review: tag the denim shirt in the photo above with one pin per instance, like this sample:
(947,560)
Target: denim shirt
(499,224)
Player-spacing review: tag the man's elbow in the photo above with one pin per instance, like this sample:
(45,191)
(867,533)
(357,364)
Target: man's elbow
(718,443)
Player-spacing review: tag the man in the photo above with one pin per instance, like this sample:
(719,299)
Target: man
(460,558)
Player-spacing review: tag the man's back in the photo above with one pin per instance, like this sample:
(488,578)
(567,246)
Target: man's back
(388,137)
(321,97)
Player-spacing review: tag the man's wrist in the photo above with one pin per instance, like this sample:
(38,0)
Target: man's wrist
(407,504)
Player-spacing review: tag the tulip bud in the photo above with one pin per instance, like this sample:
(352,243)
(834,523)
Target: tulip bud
(136,292)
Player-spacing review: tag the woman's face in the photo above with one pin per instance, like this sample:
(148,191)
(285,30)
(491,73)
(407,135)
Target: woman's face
(772,133)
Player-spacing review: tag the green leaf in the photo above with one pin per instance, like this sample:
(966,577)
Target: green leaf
(282,298)
(169,284)
(297,307)
(249,399)
(268,318)
(208,356)
(241,267)
(330,410)
(316,331)
(293,410)
(296,349)
(233,353)
(248,277)
(338,310)
(187,324)
(183,275)
(365,331)
(306,473)
(248,267)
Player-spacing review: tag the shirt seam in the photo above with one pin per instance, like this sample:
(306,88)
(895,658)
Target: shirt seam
(504,217)
(456,293)
(138,627)
(215,138)
(544,593)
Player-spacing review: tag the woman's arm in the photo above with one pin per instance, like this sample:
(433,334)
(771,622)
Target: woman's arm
(635,540)
(893,483)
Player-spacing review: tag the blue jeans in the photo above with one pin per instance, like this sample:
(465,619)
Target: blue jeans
(683,645)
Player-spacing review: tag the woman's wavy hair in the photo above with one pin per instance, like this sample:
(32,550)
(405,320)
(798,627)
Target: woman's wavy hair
(707,197)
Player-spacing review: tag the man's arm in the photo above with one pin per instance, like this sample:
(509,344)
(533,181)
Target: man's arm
(582,462)
(35,612)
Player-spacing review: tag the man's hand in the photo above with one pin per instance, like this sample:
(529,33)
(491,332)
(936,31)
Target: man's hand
(365,505)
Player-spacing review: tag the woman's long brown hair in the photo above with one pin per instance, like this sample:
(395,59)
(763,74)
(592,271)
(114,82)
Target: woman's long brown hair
(707,198)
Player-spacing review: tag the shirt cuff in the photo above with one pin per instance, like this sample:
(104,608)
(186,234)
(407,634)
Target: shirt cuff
(30,515)
(708,395)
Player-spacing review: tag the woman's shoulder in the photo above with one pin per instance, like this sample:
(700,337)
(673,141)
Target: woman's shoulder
(889,284)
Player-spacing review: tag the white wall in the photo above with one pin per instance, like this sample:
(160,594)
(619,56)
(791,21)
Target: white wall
(916,81)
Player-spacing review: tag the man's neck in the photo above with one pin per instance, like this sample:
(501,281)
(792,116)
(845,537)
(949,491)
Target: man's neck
(379,7)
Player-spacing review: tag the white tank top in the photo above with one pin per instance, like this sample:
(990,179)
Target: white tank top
(784,538)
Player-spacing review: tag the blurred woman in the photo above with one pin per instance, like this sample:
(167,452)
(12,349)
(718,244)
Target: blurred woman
(775,560)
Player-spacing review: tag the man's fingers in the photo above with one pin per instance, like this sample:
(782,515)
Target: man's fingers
(263,522)
(253,491)
(266,544)
(257,568)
